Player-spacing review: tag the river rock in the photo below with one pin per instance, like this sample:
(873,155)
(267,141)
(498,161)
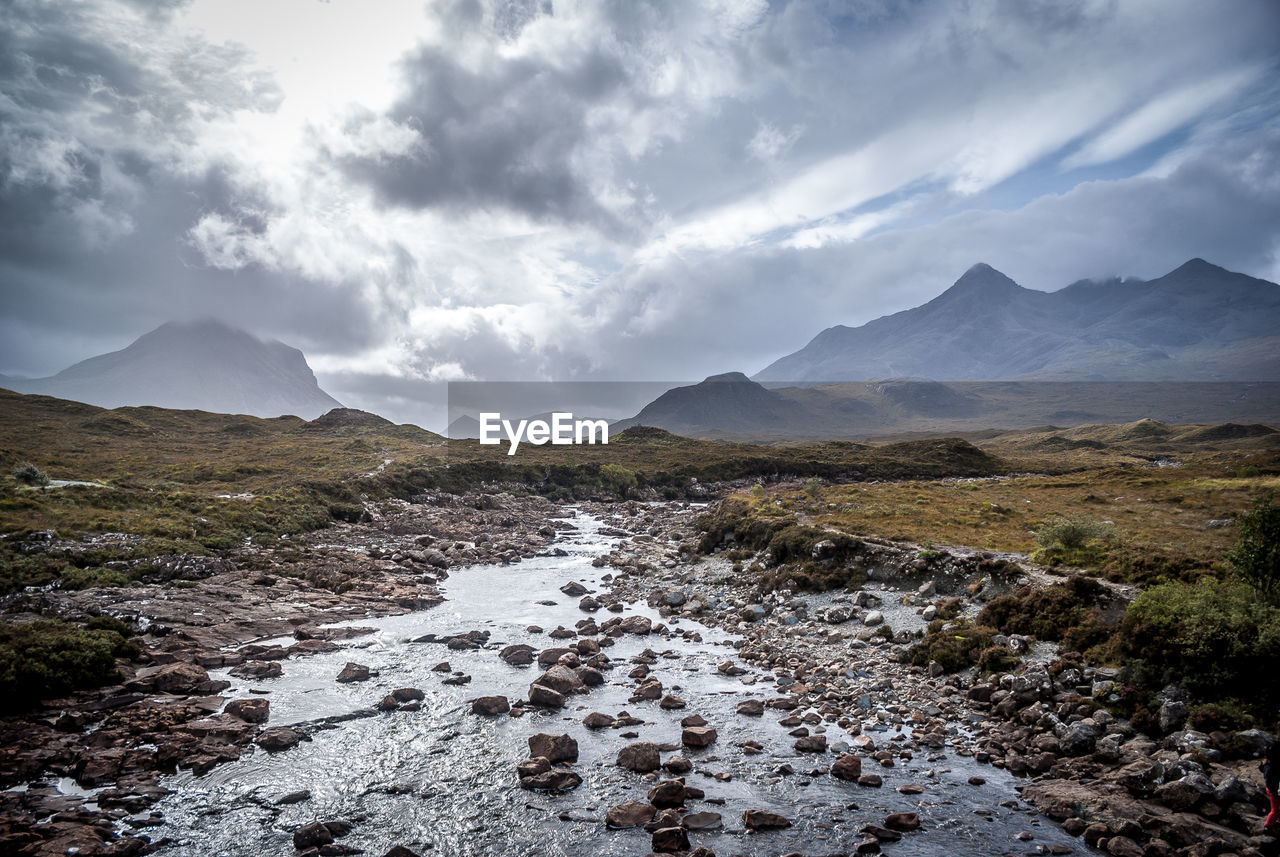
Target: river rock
(1078,739)
(533,767)
(547,657)
(668,840)
(811,744)
(873,617)
(249,710)
(573,589)
(561,679)
(677,765)
(759,819)
(698,736)
(353,672)
(490,705)
(544,697)
(554,748)
(701,821)
(632,813)
(751,708)
(597,720)
(258,670)
(671,702)
(668,793)
(902,821)
(557,779)
(518,654)
(641,757)
(639,625)
(278,738)
(312,836)
(590,676)
(847,767)
(180,678)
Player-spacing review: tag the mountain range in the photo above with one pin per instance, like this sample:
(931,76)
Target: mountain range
(204,365)
(1199,322)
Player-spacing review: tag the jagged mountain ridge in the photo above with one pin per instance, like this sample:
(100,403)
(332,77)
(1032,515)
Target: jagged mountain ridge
(204,365)
(1198,322)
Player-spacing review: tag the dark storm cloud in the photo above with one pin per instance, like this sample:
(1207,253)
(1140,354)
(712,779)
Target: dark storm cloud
(502,135)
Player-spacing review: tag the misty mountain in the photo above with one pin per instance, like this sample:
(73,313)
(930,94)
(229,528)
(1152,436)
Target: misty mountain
(1198,322)
(204,365)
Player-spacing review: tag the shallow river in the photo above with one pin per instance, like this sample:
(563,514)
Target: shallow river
(443,781)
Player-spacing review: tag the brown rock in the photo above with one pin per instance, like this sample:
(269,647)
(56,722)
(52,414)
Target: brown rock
(249,710)
(668,840)
(544,697)
(596,720)
(632,813)
(490,705)
(312,836)
(668,793)
(811,744)
(1123,846)
(556,748)
(641,758)
(759,819)
(698,736)
(353,672)
(847,767)
(278,738)
(902,821)
(557,779)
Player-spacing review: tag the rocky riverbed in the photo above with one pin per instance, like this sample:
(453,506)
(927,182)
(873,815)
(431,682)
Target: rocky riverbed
(486,674)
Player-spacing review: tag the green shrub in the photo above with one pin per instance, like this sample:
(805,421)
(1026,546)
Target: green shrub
(997,659)
(956,648)
(617,479)
(1071,534)
(1066,612)
(813,488)
(49,657)
(29,474)
(1257,554)
(1214,639)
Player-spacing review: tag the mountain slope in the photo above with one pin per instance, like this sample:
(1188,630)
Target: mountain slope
(1198,322)
(730,401)
(203,365)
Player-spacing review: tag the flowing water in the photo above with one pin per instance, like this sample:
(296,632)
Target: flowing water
(443,781)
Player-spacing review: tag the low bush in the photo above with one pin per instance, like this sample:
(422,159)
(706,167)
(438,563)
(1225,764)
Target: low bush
(955,646)
(29,474)
(49,657)
(1067,612)
(1257,554)
(1212,638)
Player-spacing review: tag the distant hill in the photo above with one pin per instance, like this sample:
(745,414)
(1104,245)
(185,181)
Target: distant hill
(204,365)
(733,407)
(730,401)
(1197,323)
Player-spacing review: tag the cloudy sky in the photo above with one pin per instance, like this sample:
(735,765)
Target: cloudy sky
(524,189)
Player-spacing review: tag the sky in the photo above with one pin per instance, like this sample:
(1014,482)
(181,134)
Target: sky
(479,190)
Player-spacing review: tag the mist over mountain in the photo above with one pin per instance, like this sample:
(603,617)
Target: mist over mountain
(204,365)
(1199,322)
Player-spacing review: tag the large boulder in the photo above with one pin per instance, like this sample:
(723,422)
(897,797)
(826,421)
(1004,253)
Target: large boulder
(249,710)
(632,813)
(490,705)
(561,679)
(759,819)
(641,757)
(698,736)
(554,748)
(353,672)
(847,767)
